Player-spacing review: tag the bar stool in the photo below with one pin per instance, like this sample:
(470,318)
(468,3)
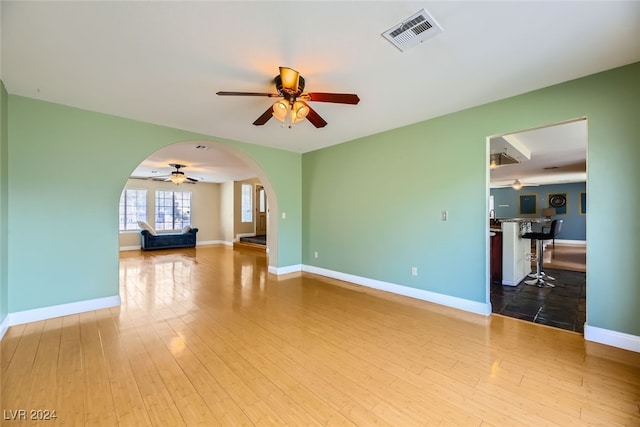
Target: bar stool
(540,237)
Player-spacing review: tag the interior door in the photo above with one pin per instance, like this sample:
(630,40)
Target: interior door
(261,210)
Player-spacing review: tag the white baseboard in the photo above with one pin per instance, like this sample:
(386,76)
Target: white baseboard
(51,312)
(516,283)
(570,242)
(211,242)
(446,300)
(130,248)
(612,338)
(4,326)
(285,270)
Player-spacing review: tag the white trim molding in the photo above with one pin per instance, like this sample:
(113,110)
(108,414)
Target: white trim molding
(285,270)
(130,248)
(213,242)
(572,242)
(4,326)
(612,338)
(51,312)
(446,300)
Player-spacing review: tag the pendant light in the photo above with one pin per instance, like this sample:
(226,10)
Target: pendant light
(517,185)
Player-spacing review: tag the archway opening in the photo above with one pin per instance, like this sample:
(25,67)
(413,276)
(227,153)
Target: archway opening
(207,199)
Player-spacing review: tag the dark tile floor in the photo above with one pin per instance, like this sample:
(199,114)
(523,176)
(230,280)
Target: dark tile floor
(562,306)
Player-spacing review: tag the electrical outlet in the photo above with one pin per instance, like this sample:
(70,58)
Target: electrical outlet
(444,215)
(414,271)
(284,215)
(315,254)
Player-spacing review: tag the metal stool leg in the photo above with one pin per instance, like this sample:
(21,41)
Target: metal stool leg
(544,275)
(537,281)
(541,274)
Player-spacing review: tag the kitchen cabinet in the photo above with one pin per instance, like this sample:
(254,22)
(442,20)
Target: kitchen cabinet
(516,251)
(496,256)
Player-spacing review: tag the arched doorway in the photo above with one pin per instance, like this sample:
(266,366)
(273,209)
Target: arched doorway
(206,163)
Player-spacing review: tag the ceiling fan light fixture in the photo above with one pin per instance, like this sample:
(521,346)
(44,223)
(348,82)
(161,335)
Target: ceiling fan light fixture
(299,111)
(290,86)
(517,185)
(281,110)
(178,177)
(289,78)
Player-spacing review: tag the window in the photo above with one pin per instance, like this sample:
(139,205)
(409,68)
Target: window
(133,208)
(173,209)
(262,203)
(247,203)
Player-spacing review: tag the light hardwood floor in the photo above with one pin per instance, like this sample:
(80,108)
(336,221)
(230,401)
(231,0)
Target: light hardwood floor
(207,337)
(566,257)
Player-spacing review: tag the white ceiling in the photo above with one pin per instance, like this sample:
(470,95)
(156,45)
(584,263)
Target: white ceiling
(552,155)
(204,161)
(163,62)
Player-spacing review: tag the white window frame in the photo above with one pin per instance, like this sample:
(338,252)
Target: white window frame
(130,220)
(246,203)
(175,224)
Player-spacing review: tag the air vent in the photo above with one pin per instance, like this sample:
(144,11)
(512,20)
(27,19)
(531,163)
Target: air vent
(413,31)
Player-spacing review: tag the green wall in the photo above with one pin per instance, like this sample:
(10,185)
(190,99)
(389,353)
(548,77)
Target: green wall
(371,207)
(4,206)
(68,168)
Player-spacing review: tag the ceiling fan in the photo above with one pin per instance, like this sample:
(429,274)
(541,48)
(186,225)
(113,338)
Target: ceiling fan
(293,107)
(516,185)
(177,176)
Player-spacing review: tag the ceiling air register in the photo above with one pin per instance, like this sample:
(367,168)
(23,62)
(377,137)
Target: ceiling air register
(413,31)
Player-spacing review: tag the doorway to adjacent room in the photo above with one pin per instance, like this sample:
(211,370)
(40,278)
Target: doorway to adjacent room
(536,165)
(261,211)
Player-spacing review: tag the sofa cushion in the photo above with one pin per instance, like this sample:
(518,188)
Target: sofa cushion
(186,229)
(144,226)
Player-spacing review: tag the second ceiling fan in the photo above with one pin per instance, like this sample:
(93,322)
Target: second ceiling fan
(293,107)
(177,176)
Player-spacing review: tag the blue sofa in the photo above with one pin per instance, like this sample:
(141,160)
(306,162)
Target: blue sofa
(168,240)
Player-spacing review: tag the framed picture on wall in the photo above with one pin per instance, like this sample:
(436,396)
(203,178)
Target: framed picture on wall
(558,201)
(528,204)
(583,203)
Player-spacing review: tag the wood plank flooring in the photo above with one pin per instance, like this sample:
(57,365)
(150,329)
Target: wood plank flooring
(207,337)
(565,257)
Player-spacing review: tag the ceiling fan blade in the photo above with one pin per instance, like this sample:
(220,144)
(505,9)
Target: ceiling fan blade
(338,98)
(225,93)
(192,179)
(314,117)
(264,118)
